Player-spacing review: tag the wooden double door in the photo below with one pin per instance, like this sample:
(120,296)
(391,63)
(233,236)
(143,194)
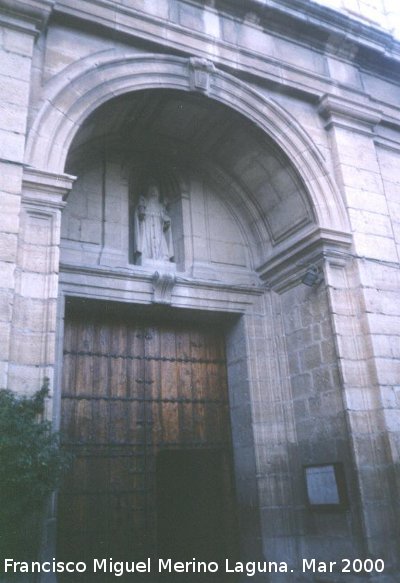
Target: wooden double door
(145,413)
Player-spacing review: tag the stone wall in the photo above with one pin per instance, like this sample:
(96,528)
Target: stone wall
(287,130)
(15,70)
(320,418)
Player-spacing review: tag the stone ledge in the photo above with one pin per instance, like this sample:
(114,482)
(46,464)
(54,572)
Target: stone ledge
(284,269)
(348,114)
(137,287)
(27,15)
(46,189)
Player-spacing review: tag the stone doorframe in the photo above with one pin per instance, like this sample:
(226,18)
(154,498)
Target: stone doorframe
(247,311)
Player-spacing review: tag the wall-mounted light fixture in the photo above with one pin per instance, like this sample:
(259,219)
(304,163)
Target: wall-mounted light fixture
(313,276)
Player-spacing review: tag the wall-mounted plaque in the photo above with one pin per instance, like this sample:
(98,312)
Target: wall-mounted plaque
(325,486)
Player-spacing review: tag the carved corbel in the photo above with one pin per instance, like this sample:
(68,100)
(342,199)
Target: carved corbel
(200,71)
(163,284)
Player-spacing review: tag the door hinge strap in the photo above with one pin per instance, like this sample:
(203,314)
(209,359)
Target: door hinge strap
(87,397)
(184,359)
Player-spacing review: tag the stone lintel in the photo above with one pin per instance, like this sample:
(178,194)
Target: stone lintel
(46,189)
(358,117)
(29,16)
(138,286)
(285,269)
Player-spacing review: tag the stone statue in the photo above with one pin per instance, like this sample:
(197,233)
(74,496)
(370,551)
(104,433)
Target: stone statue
(152,228)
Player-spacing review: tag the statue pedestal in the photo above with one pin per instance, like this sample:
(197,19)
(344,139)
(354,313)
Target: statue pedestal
(158,265)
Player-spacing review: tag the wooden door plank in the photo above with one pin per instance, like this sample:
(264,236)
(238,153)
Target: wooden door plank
(169,387)
(101,347)
(184,384)
(196,342)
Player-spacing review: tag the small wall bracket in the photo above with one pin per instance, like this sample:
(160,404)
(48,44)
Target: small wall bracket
(163,284)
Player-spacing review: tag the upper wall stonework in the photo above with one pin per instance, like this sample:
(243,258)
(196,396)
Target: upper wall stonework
(274,129)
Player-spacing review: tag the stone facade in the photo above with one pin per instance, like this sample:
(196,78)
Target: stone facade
(273,129)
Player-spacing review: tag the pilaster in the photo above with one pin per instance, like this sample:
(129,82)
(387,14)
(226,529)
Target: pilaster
(353,301)
(32,343)
(20,22)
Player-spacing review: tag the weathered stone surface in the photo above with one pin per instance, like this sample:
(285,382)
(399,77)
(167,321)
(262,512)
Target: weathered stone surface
(274,151)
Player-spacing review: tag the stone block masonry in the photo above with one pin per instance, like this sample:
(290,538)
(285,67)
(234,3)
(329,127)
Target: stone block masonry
(272,133)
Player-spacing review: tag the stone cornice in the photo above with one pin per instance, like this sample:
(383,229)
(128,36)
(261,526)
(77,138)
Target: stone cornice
(239,60)
(283,17)
(360,117)
(27,15)
(45,189)
(194,43)
(317,16)
(285,269)
(387,143)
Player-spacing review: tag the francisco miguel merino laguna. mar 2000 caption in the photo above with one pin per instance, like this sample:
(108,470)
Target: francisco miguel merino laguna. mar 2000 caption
(250,568)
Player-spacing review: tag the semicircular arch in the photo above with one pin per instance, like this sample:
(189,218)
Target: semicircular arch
(69,100)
